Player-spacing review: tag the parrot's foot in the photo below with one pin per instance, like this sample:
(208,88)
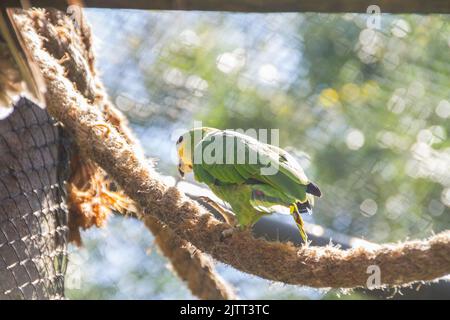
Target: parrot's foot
(227,215)
(299,222)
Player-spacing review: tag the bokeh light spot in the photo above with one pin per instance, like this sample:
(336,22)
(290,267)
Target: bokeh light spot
(350,92)
(368,207)
(268,73)
(400,28)
(435,208)
(355,139)
(229,62)
(329,97)
(443,109)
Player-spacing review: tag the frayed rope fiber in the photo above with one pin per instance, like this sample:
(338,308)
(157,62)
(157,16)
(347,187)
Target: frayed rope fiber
(400,264)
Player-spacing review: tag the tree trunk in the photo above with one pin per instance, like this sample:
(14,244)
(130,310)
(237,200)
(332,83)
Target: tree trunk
(33,212)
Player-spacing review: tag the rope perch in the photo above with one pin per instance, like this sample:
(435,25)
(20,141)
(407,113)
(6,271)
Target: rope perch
(400,263)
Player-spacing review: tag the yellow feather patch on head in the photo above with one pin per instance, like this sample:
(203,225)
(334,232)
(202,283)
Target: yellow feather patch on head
(185,162)
(181,152)
(184,154)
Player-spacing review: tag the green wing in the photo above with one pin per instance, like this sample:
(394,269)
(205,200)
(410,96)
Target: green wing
(287,177)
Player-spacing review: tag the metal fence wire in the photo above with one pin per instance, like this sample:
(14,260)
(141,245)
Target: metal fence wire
(33,212)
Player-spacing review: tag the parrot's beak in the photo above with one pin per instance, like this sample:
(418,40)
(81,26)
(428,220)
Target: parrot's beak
(181,172)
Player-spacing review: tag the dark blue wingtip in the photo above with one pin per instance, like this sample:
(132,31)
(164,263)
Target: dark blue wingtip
(313,189)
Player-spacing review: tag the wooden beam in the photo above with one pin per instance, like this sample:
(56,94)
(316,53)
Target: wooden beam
(264,6)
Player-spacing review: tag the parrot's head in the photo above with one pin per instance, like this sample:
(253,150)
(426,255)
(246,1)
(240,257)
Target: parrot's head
(185,148)
(184,154)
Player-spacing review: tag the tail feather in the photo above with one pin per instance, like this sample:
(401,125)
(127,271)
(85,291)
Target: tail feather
(313,189)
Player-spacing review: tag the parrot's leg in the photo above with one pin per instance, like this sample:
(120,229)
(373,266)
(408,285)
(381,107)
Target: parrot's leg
(227,215)
(299,221)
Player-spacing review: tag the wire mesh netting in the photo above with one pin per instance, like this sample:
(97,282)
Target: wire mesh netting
(33,213)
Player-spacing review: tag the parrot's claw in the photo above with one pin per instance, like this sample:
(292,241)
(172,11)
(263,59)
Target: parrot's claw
(299,222)
(227,215)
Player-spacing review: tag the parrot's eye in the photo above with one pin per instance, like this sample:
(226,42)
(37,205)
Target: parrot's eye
(180,139)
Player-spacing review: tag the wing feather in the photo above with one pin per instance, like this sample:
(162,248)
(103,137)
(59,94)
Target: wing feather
(289,179)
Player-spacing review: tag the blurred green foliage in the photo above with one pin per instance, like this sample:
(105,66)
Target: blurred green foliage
(363,103)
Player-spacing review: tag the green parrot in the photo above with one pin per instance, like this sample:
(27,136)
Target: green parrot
(251,176)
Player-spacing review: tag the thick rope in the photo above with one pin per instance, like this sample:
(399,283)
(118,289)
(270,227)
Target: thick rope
(191,265)
(399,264)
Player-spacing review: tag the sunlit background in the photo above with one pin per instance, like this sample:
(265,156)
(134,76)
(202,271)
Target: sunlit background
(364,106)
